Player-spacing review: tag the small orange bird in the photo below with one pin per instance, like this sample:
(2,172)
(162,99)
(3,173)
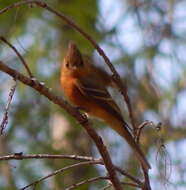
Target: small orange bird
(85,86)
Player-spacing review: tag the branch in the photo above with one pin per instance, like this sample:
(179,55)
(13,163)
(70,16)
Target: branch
(123,172)
(74,112)
(18,54)
(5,117)
(123,183)
(130,184)
(87,181)
(107,186)
(146,185)
(59,171)
(96,179)
(140,128)
(20,156)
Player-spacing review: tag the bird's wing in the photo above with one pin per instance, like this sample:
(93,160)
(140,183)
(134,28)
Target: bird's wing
(100,95)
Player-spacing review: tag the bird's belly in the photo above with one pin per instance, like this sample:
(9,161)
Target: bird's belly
(85,103)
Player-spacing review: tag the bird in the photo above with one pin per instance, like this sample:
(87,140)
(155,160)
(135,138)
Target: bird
(85,86)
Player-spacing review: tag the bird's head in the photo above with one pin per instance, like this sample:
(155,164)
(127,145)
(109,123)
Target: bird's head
(73,61)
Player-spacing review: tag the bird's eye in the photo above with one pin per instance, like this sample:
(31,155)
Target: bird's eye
(67,65)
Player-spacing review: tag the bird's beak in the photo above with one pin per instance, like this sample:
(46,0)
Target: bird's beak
(74,67)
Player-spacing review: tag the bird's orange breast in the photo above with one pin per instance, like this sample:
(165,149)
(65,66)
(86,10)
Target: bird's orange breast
(72,92)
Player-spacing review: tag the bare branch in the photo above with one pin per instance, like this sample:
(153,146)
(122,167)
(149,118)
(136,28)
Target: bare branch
(75,113)
(107,186)
(5,117)
(130,184)
(123,172)
(18,54)
(87,181)
(146,185)
(140,128)
(60,171)
(124,91)
(123,183)
(18,156)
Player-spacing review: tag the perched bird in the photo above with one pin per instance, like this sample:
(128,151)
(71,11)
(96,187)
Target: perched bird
(85,87)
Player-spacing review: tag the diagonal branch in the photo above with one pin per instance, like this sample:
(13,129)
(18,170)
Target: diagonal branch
(107,186)
(18,54)
(18,156)
(123,172)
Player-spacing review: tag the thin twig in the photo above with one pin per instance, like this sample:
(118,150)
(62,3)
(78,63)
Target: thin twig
(107,186)
(5,117)
(18,156)
(140,128)
(59,171)
(75,113)
(123,172)
(18,54)
(123,183)
(130,184)
(124,91)
(87,181)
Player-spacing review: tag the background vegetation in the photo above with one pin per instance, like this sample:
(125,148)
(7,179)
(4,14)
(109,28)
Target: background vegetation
(145,39)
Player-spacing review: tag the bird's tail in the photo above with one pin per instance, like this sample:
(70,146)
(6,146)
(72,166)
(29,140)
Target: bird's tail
(130,140)
(122,129)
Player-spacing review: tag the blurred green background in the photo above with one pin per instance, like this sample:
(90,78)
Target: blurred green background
(145,40)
